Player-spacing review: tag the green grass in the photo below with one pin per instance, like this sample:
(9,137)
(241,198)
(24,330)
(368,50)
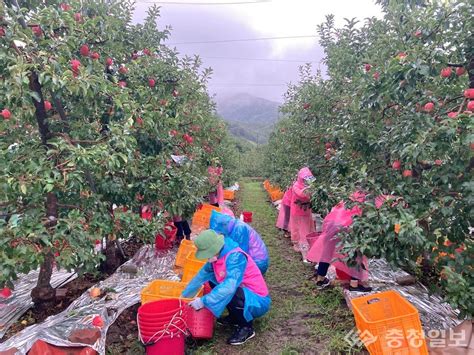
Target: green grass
(301,320)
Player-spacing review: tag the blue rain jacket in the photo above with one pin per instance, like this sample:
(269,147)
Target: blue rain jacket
(220,296)
(244,235)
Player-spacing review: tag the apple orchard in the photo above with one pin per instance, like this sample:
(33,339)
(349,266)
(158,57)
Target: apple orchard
(394,118)
(93,107)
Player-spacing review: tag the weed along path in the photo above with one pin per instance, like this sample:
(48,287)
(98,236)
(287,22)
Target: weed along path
(302,319)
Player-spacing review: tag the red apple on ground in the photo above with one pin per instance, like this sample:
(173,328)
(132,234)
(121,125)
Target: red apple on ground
(306,106)
(47,105)
(460,71)
(2,32)
(109,62)
(452,114)
(95,56)
(470,105)
(396,165)
(122,84)
(175,93)
(429,107)
(446,72)
(173,133)
(418,33)
(6,114)
(327,145)
(163,102)
(401,55)
(78,17)
(151,83)
(376,75)
(97,321)
(139,121)
(407,173)
(123,69)
(367,67)
(438,162)
(146,51)
(187,138)
(5,292)
(84,50)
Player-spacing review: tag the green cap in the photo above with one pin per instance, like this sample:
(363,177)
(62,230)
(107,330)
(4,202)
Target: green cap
(208,244)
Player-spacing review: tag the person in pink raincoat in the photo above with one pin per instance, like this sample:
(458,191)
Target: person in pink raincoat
(283,221)
(325,251)
(301,219)
(216,197)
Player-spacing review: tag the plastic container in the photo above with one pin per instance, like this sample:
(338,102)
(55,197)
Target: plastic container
(247,216)
(200,323)
(202,216)
(184,249)
(164,289)
(167,345)
(389,324)
(191,267)
(229,195)
(276,195)
(165,243)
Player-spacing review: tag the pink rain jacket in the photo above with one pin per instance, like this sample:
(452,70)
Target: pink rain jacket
(299,196)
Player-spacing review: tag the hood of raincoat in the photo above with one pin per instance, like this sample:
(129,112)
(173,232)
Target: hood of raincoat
(221,223)
(303,174)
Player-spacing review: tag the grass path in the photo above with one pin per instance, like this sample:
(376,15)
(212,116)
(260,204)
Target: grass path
(301,320)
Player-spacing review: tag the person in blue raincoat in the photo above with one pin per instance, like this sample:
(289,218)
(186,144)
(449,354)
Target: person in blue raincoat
(244,235)
(238,285)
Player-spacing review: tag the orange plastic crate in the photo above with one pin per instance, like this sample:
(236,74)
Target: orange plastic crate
(276,195)
(202,217)
(184,249)
(266,184)
(389,324)
(163,289)
(229,195)
(191,267)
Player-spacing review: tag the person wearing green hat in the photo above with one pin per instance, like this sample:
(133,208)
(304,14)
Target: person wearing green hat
(239,285)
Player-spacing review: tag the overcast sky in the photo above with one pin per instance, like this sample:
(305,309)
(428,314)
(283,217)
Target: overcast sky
(267,18)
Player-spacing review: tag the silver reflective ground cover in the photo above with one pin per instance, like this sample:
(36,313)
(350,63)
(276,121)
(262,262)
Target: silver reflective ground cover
(126,292)
(12,308)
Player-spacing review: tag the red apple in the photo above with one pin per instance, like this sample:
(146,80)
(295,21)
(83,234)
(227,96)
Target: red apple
(367,67)
(429,107)
(109,62)
(163,102)
(460,71)
(146,51)
(407,173)
(396,165)
(37,30)
(306,106)
(151,83)
(5,292)
(75,64)
(175,93)
(97,321)
(188,138)
(95,56)
(139,121)
(438,162)
(134,56)
(173,133)
(401,55)
(452,114)
(472,146)
(47,105)
(469,93)
(84,50)
(470,105)
(123,69)
(418,33)
(328,145)
(376,75)
(446,72)
(78,17)
(122,84)
(2,32)
(6,114)
(65,7)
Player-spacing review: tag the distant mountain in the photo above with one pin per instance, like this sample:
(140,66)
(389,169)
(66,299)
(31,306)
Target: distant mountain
(249,117)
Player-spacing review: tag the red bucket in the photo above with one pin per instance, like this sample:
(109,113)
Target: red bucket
(164,243)
(201,323)
(247,216)
(167,346)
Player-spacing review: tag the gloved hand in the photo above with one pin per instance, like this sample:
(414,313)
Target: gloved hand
(196,303)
